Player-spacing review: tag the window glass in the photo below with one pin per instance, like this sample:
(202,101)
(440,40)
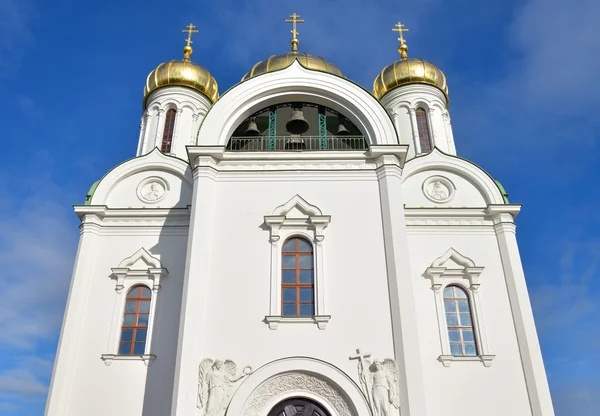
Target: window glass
(460,324)
(297,278)
(135,321)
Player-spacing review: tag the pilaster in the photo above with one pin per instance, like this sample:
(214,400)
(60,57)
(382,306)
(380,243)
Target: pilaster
(529,347)
(195,289)
(407,348)
(60,387)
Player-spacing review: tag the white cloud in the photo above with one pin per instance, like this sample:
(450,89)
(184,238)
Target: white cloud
(36,256)
(558,40)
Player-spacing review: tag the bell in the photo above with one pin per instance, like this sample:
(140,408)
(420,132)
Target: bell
(252,129)
(342,130)
(297,124)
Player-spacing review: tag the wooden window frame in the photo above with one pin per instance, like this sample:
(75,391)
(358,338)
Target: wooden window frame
(168,130)
(298,285)
(135,327)
(460,327)
(424,130)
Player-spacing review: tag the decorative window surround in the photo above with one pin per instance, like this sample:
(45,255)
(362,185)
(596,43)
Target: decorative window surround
(109,358)
(442,276)
(141,268)
(296,217)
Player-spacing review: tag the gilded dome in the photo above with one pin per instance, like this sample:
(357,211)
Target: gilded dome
(182,73)
(409,71)
(277,62)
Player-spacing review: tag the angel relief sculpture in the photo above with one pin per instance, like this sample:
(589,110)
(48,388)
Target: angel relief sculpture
(216,380)
(379,382)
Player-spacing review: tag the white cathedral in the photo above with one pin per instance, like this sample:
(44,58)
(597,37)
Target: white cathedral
(298,245)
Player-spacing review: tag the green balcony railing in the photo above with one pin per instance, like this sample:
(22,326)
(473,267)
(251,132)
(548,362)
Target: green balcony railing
(295,143)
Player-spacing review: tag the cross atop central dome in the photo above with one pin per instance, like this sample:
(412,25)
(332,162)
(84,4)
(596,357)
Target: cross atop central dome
(277,62)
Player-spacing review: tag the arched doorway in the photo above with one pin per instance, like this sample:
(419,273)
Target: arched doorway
(298,407)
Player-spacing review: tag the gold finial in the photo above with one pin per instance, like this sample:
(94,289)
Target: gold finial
(293,20)
(403,48)
(187,49)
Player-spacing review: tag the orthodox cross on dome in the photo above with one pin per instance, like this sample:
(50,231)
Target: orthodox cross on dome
(403,48)
(294,19)
(187,49)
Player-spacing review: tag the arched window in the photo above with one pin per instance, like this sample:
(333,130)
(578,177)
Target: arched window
(423,127)
(165,146)
(135,321)
(459,321)
(297,278)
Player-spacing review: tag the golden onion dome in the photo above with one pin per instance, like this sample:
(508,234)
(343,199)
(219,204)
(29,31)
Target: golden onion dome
(408,71)
(277,62)
(182,73)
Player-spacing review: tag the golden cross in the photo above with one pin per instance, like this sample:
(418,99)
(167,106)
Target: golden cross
(294,20)
(189,30)
(399,27)
(403,48)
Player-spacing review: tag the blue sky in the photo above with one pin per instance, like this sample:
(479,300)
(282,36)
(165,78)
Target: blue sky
(524,90)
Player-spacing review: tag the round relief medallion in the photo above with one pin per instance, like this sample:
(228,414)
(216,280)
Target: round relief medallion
(438,189)
(152,190)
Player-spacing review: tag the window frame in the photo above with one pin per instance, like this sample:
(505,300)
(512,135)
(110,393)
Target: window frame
(127,276)
(460,327)
(423,121)
(298,285)
(310,227)
(138,299)
(169,122)
(467,278)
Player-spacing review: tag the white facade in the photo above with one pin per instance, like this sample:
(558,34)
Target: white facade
(204,228)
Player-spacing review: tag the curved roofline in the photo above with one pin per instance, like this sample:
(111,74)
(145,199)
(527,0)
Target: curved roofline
(309,69)
(496,182)
(90,194)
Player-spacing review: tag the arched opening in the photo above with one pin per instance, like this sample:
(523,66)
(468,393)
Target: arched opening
(424,132)
(298,407)
(296,126)
(167,139)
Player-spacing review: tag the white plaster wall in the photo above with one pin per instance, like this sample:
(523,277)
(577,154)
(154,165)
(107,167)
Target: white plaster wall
(124,194)
(466,193)
(191,108)
(126,387)
(354,266)
(465,388)
(356,282)
(404,99)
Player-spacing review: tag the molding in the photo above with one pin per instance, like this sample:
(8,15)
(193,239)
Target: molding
(273,321)
(309,222)
(154,271)
(296,83)
(109,358)
(446,360)
(442,276)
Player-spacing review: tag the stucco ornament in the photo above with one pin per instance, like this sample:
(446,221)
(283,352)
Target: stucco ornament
(379,383)
(216,382)
(152,189)
(298,383)
(438,189)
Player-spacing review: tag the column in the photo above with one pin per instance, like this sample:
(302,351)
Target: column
(146,133)
(407,348)
(174,143)
(195,118)
(529,347)
(415,130)
(66,357)
(159,128)
(195,290)
(141,137)
(432,127)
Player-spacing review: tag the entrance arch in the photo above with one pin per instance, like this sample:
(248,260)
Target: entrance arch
(298,407)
